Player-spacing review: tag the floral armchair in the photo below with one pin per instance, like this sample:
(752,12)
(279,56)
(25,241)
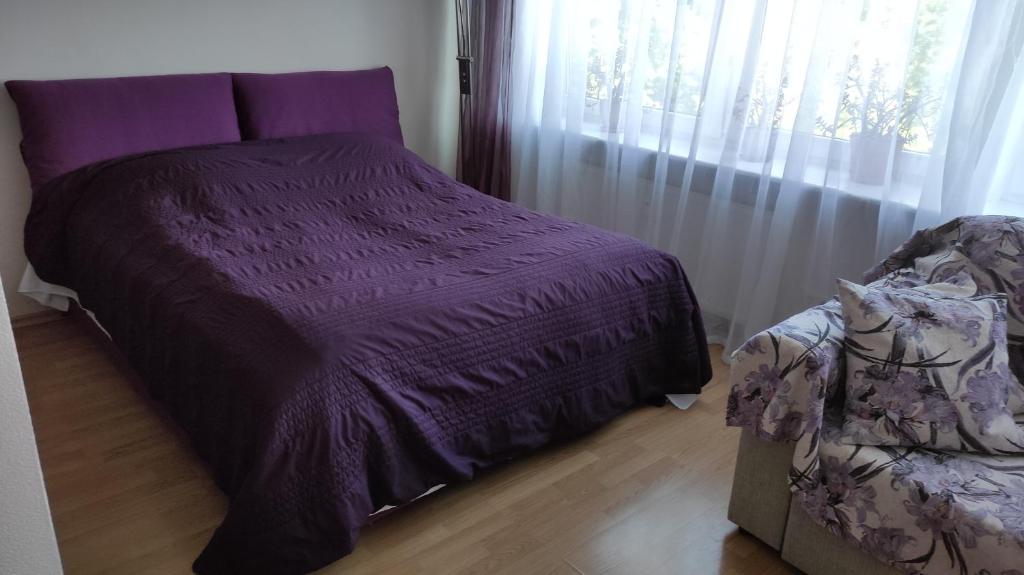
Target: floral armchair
(915,509)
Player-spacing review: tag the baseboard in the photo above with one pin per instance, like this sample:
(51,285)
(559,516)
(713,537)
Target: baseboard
(36,318)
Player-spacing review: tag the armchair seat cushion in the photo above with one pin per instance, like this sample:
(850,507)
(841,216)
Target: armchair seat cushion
(921,509)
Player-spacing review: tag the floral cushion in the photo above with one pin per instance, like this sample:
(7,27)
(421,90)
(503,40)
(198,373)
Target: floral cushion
(927,366)
(784,376)
(991,250)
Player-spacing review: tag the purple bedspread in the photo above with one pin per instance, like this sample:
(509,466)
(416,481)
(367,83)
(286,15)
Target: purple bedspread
(338,326)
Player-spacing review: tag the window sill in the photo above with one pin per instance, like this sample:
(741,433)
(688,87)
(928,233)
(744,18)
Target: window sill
(746,184)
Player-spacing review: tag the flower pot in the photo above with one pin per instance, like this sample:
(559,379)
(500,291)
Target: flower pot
(869,158)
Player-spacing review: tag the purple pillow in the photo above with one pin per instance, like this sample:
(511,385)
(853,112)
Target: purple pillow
(67,124)
(303,103)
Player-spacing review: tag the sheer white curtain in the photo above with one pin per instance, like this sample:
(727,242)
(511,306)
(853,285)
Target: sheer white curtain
(772,145)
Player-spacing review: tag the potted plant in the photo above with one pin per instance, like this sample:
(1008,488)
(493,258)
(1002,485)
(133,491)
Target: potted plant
(880,120)
(921,106)
(759,123)
(870,112)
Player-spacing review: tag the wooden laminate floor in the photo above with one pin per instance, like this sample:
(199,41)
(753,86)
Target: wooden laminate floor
(645,495)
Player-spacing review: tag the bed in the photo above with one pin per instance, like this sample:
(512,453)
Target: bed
(339,327)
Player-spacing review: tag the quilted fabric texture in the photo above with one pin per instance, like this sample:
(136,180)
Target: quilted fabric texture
(928,366)
(339,326)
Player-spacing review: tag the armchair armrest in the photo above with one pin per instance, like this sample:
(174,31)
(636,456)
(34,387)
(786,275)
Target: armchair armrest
(782,377)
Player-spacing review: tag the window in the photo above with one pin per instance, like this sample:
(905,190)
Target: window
(862,84)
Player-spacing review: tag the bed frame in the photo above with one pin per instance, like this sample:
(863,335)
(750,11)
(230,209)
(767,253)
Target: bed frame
(762,505)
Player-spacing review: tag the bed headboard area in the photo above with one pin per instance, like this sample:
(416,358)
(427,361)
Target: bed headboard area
(67,124)
(70,124)
(127,47)
(301,103)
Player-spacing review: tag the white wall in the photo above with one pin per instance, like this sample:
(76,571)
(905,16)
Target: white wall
(27,541)
(49,39)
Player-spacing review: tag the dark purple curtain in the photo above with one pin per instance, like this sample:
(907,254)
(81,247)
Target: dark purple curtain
(485,36)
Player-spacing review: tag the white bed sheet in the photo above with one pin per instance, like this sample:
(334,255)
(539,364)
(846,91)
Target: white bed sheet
(51,295)
(48,294)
